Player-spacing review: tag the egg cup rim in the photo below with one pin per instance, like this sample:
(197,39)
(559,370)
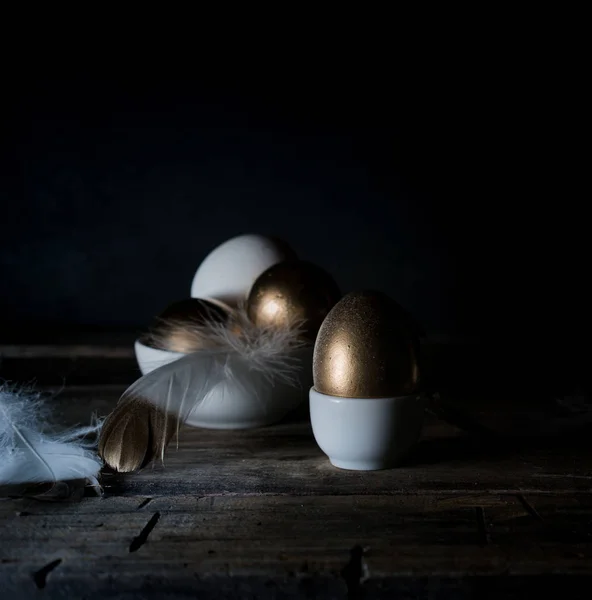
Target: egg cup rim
(141,342)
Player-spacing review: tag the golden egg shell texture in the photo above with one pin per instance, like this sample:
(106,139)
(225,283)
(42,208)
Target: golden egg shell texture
(364,349)
(292,292)
(177,328)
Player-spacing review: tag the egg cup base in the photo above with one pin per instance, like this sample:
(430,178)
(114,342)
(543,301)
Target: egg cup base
(366,434)
(361,465)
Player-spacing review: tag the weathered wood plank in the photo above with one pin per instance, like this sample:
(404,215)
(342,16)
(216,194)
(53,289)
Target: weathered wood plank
(71,370)
(309,543)
(262,513)
(405,520)
(284,459)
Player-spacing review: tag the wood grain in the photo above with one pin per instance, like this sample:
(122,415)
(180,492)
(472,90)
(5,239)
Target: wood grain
(400,538)
(284,459)
(262,514)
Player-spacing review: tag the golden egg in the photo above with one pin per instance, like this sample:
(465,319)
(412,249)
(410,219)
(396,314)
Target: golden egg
(364,349)
(292,292)
(179,327)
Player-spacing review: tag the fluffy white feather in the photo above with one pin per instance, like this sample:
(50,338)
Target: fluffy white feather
(268,350)
(29,453)
(239,354)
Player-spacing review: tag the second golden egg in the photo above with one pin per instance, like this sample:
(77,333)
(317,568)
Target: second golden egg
(365,350)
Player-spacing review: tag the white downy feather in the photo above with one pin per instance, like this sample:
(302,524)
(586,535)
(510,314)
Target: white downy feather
(30,454)
(239,353)
(268,350)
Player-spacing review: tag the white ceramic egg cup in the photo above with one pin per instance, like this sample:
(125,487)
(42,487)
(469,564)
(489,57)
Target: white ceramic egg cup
(366,434)
(229,406)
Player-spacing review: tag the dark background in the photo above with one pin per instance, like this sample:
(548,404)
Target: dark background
(115,187)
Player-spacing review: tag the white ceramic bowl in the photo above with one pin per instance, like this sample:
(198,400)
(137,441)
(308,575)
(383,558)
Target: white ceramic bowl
(365,434)
(230,406)
(151,358)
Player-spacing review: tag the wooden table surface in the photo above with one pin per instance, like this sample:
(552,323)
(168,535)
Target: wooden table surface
(262,514)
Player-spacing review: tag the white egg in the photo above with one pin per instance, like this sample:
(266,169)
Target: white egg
(229,271)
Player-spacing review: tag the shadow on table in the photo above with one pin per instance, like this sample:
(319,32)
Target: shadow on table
(470,447)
